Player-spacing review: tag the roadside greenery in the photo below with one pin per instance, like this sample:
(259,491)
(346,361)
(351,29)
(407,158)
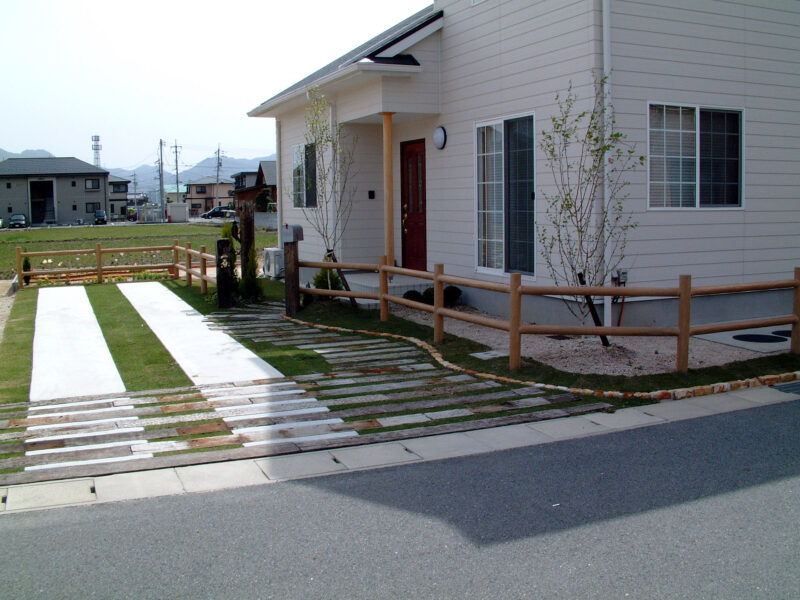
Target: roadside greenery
(16,350)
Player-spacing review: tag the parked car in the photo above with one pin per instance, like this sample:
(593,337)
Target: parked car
(18,221)
(100,217)
(219,212)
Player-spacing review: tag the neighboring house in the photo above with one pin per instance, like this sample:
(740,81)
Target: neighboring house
(173,195)
(708,91)
(247,185)
(52,191)
(204,194)
(117,197)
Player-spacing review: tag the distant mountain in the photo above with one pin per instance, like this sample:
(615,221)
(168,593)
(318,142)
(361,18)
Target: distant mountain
(4,154)
(147,175)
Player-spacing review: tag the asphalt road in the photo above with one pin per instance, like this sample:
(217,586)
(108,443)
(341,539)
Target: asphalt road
(707,508)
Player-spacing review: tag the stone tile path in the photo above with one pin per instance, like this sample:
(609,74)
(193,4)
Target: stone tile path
(376,390)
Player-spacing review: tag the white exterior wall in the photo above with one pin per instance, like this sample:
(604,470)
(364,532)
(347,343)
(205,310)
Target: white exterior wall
(717,55)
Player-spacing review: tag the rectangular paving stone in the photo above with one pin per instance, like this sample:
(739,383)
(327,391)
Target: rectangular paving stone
(218,476)
(447,445)
(509,436)
(675,410)
(626,418)
(448,414)
(141,484)
(299,465)
(374,455)
(58,493)
(762,395)
(721,403)
(402,420)
(568,428)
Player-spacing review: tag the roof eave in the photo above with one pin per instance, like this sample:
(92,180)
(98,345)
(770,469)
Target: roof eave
(270,107)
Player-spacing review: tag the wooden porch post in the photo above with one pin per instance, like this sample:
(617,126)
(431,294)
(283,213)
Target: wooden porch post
(684,323)
(388,189)
(514,321)
(796,311)
(438,304)
(384,289)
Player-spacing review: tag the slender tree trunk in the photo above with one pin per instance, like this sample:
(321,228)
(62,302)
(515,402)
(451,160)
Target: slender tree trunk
(332,256)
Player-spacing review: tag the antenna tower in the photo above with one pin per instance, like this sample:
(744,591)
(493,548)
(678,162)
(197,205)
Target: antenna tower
(96,147)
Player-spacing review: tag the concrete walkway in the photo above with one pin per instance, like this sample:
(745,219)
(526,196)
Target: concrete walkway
(259,471)
(70,355)
(207,356)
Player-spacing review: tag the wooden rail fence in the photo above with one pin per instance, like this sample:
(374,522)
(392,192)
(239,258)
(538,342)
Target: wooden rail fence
(182,261)
(684,292)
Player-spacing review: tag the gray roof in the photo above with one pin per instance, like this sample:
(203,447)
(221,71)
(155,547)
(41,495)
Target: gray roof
(23,167)
(268,171)
(115,179)
(370,49)
(209,181)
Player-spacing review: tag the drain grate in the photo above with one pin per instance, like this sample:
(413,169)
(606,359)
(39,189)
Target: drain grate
(790,388)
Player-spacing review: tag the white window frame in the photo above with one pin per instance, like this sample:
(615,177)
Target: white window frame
(697,108)
(476,125)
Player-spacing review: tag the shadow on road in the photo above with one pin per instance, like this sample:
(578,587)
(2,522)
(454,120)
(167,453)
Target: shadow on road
(531,491)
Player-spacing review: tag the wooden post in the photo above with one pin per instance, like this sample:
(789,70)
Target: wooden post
(291,267)
(388,189)
(20,276)
(796,311)
(175,258)
(203,273)
(438,304)
(98,250)
(384,288)
(684,322)
(188,264)
(224,274)
(514,321)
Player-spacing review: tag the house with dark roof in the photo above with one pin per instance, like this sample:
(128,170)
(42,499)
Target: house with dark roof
(117,197)
(205,193)
(449,108)
(247,185)
(53,191)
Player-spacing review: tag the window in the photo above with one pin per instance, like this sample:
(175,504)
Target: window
(92,184)
(695,162)
(200,189)
(119,188)
(91,207)
(74,184)
(74,208)
(506,199)
(8,185)
(304,176)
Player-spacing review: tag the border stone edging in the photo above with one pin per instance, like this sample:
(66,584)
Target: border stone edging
(656,396)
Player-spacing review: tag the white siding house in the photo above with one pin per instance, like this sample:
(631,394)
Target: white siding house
(707,90)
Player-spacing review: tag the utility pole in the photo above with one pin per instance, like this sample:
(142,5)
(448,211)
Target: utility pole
(216,186)
(161,173)
(176,148)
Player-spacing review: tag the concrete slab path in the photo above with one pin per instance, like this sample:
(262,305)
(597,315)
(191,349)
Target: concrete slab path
(70,355)
(207,356)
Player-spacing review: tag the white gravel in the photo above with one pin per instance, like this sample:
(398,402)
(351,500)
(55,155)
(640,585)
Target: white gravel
(625,356)
(6,301)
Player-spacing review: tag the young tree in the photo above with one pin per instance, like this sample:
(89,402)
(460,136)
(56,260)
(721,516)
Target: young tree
(588,227)
(334,162)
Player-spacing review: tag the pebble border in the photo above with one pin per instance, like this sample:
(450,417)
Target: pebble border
(657,396)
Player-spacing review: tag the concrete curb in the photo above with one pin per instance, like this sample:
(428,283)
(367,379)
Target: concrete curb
(656,396)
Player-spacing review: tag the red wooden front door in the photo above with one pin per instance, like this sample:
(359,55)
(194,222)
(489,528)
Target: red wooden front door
(412,181)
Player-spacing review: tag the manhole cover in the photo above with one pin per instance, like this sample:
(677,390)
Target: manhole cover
(759,338)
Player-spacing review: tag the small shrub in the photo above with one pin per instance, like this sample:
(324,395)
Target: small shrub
(248,285)
(413,295)
(26,266)
(328,279)
(427,296)
(452,295)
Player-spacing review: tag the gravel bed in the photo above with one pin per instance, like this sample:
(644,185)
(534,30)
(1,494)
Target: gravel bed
(625,356)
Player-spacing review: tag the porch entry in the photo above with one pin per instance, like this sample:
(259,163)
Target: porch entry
(42,202)
(412,196)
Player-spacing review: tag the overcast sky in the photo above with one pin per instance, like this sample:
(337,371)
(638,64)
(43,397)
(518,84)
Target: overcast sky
(135,72)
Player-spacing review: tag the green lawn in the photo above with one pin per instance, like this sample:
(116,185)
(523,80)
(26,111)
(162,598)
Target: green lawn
(16,350)
(110,236)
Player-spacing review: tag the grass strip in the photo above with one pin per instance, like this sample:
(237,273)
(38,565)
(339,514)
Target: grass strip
(192,436)
(16,350)
(181,424)
(142,361)
(193,450)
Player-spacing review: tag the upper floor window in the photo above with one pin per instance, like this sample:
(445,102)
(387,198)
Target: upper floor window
(200,189)
(695,157)
(92,184)
(119,188)
(304,176)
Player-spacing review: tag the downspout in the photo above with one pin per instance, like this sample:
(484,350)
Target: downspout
(607,319)
(278,178)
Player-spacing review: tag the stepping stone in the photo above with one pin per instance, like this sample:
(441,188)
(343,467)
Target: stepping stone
(402,420)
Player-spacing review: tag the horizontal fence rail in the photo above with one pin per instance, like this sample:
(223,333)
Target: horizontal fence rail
(182,261)
(684,293)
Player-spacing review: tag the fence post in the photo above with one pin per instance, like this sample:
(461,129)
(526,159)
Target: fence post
(684,322)
(384,288)
(203,282)
(173,269)
(438,303)
(98,250)
(20,278)
(188,264)
(796,311)
(291,278)
(514,321)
